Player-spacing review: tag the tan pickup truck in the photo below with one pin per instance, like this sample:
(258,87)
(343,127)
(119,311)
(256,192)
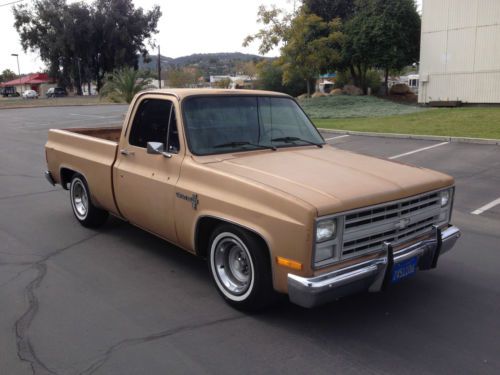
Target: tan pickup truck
(244,179)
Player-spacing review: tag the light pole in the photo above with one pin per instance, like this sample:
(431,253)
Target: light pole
(159,68)
(17,57)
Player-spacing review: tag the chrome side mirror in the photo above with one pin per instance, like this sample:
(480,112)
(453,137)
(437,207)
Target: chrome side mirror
(157,148)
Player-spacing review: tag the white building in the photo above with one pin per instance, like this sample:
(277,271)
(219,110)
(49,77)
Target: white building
(460,51)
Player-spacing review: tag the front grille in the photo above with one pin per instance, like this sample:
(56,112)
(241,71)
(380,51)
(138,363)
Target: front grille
(366,230)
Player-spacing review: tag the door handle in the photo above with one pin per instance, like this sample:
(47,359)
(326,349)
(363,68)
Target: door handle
(126,152)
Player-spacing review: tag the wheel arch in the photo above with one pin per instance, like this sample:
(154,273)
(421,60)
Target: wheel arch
(207,223)
(67,173)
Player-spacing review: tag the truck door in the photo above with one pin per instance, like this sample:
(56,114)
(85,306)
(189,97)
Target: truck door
(144,183)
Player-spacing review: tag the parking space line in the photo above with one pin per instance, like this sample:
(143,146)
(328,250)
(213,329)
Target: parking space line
(418,150)
(486,207)
(340,136)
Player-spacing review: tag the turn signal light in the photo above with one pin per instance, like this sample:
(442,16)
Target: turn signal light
(289,263)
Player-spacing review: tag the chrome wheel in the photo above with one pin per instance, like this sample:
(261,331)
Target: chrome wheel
(232,266)
(79,198)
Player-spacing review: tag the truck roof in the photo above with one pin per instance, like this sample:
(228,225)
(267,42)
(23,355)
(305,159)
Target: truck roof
(184,93)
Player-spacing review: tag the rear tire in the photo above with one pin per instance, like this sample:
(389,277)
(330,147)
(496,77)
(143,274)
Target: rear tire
(85,212)
(240,268)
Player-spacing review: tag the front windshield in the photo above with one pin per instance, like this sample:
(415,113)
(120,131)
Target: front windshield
(220,124)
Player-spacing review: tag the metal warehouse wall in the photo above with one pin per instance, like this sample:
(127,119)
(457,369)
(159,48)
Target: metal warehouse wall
(460,51)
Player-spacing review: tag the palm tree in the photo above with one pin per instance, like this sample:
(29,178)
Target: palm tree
(124,84)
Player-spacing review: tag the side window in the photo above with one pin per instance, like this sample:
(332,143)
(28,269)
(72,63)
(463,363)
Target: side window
(173,134)
(150,122)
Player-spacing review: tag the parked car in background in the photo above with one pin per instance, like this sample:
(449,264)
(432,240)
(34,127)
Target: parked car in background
(30,94)
(56,92)
(9,91)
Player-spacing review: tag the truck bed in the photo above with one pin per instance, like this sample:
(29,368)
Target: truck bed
(90,151)
(111,133)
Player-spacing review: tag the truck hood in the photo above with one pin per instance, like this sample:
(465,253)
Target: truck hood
(332,180)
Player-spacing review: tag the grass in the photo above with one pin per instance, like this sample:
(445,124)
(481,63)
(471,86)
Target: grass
(345,106)
(45,102)
(371,114)
(454,122)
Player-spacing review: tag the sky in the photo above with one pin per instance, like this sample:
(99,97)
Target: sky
(186,27)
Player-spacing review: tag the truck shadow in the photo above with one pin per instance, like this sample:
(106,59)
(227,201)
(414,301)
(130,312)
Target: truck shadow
(368,315)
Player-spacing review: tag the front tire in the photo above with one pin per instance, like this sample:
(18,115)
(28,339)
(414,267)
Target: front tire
(85,212)
(240,268)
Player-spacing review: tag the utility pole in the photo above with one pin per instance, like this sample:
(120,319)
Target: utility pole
(79,77)
(159,68)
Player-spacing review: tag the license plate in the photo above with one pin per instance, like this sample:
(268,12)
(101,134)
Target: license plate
(404,269)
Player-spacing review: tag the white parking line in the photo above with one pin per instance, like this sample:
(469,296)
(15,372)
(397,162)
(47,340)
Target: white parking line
(418,150)
(486,207)
(340,136)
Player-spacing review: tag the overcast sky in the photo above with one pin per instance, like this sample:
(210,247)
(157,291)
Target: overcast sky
(186,27)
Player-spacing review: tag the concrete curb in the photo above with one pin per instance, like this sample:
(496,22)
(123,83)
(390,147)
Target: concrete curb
(60,106)
(442,138)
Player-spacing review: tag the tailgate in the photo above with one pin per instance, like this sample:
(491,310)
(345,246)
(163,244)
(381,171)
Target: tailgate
(90,156)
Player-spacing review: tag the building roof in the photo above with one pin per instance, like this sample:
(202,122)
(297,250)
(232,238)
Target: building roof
(30,79)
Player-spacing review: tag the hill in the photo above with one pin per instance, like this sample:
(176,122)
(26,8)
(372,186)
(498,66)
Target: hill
(222,63)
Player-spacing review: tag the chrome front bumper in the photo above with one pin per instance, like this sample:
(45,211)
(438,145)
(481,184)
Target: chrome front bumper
(372,275)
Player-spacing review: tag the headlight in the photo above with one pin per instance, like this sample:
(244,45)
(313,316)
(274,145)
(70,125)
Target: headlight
(326,230)
(445,197)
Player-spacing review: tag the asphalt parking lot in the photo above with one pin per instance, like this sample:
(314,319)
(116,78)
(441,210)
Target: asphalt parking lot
(120,301)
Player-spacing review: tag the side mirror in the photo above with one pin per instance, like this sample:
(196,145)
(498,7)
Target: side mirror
(155,147)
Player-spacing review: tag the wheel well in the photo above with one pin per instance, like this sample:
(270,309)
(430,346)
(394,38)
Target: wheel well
(66,175)
(205,227)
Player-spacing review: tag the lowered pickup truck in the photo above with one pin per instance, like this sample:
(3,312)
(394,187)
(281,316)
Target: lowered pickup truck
(244,179)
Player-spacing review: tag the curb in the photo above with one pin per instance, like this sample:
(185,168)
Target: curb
(59,106)
(442,138)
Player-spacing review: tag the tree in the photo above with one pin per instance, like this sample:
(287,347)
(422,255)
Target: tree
(331,9)
(248,68)
(270,75)
(381,34)
(276,25)
(7,75)
(120,34)
(223,83)
(182,77)
(81,42)
(310,44)
(313,47)
(123,84)
(399,44)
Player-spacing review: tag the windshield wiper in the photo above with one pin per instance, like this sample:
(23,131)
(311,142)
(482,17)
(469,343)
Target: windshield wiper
(235,144)
(294,139)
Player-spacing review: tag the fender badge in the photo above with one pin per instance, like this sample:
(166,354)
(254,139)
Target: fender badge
(193,199)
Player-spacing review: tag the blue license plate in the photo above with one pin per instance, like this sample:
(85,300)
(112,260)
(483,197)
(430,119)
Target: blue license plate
(404,269)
